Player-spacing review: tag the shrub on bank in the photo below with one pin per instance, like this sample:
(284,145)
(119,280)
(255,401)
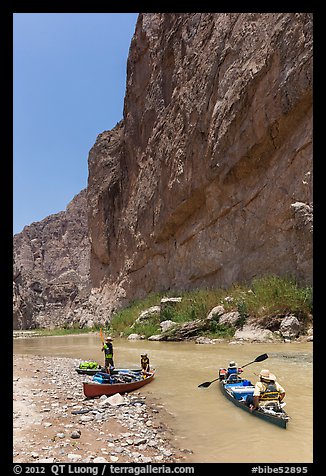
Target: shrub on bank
(265,296)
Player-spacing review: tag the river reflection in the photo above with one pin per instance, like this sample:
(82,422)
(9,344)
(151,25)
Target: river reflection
(203,420)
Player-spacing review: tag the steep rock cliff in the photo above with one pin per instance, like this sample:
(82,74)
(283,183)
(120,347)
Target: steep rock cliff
(207,180)
(51,268)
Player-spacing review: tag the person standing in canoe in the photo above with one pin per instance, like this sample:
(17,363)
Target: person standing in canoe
(267,390)
(144,362)
(108,354)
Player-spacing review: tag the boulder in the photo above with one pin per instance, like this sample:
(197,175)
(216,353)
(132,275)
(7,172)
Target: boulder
(254,334)
(216,312)
(116,400)
(290,327)
(147,314)
(169,301)
(156,337)
(165,325)
(229,318)
(134,337)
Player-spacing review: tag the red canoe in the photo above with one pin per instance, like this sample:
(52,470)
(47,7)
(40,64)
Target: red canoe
(94,389)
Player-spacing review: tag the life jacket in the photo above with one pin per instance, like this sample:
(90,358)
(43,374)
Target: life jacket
(108,351)
(232,370)
(144,361)
(270,393)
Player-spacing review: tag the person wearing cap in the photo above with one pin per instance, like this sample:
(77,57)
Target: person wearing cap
(108,354)
(267,390)
(233,370)
(144,362)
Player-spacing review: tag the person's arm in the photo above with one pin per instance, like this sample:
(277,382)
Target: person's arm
(256,402)
(256,396)
(281,390)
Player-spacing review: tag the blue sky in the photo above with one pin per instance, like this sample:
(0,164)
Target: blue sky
(69,82)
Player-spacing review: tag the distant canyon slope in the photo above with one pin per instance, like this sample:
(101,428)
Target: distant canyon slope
(207,180)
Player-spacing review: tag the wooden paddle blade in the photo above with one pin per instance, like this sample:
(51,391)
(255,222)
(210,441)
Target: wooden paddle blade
(101,336)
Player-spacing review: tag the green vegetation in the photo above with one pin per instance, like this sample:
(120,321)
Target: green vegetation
(265,297)
(268,296)
(58,331)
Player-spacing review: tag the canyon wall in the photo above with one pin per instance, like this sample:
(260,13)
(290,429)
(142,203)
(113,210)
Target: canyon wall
(51,268)
(207,180)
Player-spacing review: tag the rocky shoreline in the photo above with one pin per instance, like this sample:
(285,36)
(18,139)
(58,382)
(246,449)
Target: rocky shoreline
(54,422)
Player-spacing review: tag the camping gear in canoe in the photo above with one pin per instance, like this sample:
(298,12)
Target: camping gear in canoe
(124,382)
(102,369)
(86,368)
(237,392)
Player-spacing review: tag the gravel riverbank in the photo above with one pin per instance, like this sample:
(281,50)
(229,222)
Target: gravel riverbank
(54,422)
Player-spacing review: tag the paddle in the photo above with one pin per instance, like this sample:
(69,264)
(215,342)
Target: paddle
(260,358)
(101,336)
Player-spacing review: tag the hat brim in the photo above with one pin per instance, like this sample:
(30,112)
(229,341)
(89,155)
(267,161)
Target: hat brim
(270,377)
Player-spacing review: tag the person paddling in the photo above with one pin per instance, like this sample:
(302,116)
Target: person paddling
(108,354)
(267,390)
(233,371)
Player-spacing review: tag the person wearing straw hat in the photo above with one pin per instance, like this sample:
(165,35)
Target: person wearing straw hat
(108,353)
(267,390)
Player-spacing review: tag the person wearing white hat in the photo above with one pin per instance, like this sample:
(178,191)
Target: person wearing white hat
(108,353)
(233,371)
(267,390)
(144,362)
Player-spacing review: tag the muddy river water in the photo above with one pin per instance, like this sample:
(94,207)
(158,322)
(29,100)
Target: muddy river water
(202,419)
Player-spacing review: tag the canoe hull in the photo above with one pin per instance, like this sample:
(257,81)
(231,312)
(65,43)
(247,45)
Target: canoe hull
(87,371)
(280,420)
(93,389)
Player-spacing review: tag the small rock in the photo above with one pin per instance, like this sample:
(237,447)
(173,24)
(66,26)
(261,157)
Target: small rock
(99,459)
(75,434)
(139,441)
(85,418)
(116,399)
(74,456)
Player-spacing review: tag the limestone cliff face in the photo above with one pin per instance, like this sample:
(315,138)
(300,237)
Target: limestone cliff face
(51,268)
(207,181)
